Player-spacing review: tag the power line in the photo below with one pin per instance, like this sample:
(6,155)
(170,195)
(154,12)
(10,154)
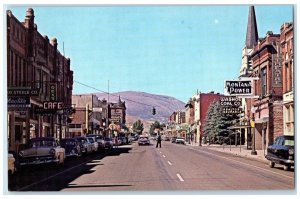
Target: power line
(111,94)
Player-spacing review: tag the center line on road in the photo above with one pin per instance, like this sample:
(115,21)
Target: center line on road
(169,163)
(164,156)
(179,176)
(160,152)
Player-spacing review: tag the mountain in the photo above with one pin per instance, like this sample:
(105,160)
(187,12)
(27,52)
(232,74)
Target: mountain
(139,105)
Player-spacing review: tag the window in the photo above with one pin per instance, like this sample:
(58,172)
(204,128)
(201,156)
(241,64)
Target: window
(264,81)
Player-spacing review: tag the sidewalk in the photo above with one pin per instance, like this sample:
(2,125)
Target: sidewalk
(235,150)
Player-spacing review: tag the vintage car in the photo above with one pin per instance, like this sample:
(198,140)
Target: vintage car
(108,143)
(282,152)
(71,146)
(85,146)
(99,139)
(93,141)
(180,140)
(143,140)
(41,151)
(11,163)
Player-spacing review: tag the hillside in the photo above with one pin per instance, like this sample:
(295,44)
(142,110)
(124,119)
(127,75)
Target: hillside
(165,105)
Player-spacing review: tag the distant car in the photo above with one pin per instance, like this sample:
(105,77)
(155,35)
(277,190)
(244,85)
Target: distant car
(282,152)
(41,151)
(166,139)
(85,146)
(71,146)
(143,140)
(11,164)
(180,140)
(173,139)
(99,139)
(123,140)
(108,143)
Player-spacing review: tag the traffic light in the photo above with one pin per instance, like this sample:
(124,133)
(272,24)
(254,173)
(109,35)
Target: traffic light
(153,111)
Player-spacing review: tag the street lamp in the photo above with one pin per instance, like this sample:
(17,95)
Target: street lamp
(253,110)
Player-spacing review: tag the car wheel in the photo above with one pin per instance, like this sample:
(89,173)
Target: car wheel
(286,167)
(271,164)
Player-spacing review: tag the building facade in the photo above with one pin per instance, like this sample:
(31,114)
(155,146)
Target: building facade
(287,46)
(38,79)
(268,115)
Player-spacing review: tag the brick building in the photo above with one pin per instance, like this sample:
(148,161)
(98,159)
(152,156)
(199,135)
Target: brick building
(36,72)
(196,109)
(287,45)
(267,65)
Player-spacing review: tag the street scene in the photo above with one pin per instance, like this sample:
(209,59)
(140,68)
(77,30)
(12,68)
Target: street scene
(150,99)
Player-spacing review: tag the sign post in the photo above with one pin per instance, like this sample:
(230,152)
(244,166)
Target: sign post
(244,88)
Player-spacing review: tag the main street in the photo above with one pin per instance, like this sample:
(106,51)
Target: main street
(145,168)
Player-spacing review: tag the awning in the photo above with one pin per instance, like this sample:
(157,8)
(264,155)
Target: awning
(262,120)
(239,127)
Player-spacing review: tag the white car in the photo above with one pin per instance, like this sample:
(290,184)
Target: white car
(180,140)
(93,141)
(41,151)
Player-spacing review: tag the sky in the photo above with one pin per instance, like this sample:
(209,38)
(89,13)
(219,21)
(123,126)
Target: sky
(168,50)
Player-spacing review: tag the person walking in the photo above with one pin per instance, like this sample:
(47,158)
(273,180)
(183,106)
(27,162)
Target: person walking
(158,141)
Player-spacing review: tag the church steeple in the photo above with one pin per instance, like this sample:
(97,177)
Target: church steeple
(252,35)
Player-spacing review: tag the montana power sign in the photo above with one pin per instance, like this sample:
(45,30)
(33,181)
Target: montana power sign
(240,88)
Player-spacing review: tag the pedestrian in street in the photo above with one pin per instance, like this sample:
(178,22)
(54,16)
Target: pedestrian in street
(158,141)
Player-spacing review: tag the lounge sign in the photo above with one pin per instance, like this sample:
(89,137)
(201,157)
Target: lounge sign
(238,88)
(18,102)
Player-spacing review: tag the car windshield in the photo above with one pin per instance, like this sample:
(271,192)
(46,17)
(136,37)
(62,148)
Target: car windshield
(43,143)
(91,140)
(144,138)
(289,143)
(68,142)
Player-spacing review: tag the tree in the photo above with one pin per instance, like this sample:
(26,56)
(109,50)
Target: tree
(155,125)
(138,127)
(217,123)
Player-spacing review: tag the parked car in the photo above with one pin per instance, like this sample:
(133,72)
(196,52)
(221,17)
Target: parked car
(282,152)
(11,164)
(99,139)
(143,140)
(85,146)
(41,151)
(180,140)
(108,143)
(93,141)
(71,146)
(173,139)
(123,140)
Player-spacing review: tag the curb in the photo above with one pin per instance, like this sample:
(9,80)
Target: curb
(248,156)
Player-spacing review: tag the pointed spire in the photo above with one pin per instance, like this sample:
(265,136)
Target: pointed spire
(252,35)
(120,102)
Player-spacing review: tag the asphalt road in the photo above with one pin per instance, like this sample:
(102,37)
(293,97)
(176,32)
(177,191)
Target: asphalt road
(146,168)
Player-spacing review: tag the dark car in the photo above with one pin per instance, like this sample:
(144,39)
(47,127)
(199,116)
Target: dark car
(173,139)
(71,146)
(108,143)
(282,152)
